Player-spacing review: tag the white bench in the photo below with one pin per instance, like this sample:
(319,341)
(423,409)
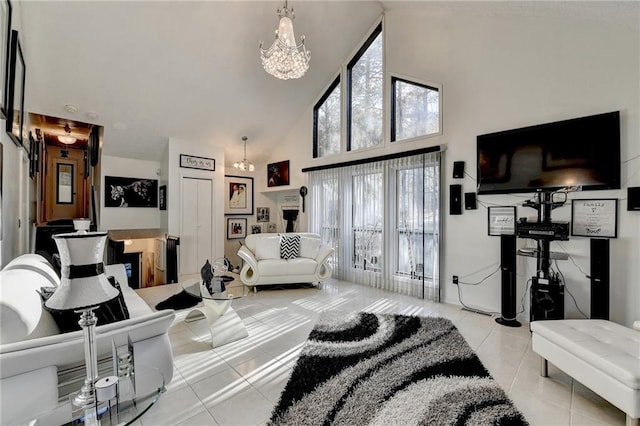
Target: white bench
(600,354)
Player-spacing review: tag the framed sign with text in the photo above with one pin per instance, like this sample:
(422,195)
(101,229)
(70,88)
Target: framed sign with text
(201,163)
(502,220)
(597,218)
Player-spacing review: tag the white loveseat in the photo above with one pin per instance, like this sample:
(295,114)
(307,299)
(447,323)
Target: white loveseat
(39,366)
(263,264)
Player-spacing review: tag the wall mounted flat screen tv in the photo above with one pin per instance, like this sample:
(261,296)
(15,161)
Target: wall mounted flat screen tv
(581,152)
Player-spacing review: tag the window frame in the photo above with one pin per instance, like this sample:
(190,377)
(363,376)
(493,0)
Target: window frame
(377,30)
(393,78)
(328,92)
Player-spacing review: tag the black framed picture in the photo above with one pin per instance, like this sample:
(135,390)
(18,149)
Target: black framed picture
(502,220)
(162,197)
(130,192)
(594,218)
(238,193)
(5,46)
(236,228)
(15,98)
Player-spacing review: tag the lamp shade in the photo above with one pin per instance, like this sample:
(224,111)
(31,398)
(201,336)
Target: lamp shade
(83,283)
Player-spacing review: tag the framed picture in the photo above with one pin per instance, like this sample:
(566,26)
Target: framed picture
(162,197)
(5,46)
(502,220)
(236,228)
(201,163)
(278,174)
(256,229)
(594,218)
(130,192)
(15,98)
(238,191)
(271,227)
(262,214)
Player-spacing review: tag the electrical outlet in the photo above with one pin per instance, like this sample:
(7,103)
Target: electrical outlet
(455,279)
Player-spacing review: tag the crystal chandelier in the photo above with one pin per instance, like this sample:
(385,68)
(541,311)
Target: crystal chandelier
(284,59)
(244,164)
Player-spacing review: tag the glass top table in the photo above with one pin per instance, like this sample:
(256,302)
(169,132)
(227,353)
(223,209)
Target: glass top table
(129,404)
(224,323)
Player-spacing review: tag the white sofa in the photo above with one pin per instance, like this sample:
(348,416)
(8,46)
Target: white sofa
(600,354)
(39,366)
(263,265)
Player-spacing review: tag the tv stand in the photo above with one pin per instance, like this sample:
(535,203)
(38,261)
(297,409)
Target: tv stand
(547,293)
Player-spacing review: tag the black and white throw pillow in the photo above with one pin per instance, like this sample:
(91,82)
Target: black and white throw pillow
(289,246)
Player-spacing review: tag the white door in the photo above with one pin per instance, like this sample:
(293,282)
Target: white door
(196,236)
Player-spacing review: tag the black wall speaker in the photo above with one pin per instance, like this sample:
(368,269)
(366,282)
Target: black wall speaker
(470,201)
(633,198)
(508,285)
(458,169)
(455,199)
(599,278)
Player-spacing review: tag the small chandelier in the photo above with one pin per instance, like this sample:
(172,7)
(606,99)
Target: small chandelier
(244,164)
(284,59)
(67,139)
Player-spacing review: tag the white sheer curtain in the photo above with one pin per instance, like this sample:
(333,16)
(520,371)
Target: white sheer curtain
(383,219)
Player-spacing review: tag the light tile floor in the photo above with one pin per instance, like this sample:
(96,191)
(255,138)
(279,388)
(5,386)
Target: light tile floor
(239,383)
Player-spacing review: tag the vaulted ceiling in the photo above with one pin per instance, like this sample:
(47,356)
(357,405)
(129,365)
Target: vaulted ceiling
(150,70)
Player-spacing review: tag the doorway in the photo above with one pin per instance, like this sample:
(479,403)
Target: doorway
(65,184)
(196,224)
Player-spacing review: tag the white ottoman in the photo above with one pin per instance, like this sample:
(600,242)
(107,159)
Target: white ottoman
(602,355)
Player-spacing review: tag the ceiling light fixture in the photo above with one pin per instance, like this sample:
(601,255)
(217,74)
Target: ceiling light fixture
(284,59)
(244,164)
(67,139)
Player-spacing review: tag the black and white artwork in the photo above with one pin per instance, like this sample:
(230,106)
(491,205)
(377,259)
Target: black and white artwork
(130,192)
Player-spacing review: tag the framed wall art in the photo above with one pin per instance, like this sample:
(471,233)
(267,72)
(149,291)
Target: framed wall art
(15,98)
(594,218)
(238,195)
(262,214)
(502,220)
(130,192)
(236,228)
(162,197)
(5,46)
(256,229)
(278,174)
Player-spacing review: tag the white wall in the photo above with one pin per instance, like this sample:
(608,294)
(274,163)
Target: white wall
(130,217)
(176,173)
(503,72)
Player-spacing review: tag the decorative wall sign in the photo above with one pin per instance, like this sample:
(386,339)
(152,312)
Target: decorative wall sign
(236,228)
(130,192)
(5,46)
(201,163)
(502,220)
(162,197)
(597,218)
(238,191)
(278,174)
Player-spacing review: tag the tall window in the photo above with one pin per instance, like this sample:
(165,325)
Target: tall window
(327,122)
(365,89)
(415,109)
(385,230)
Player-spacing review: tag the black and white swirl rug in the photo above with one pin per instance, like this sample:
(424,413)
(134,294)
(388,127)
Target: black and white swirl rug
(381,369)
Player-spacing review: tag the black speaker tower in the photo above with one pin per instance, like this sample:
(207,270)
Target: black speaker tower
(508,268)
(599,278)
